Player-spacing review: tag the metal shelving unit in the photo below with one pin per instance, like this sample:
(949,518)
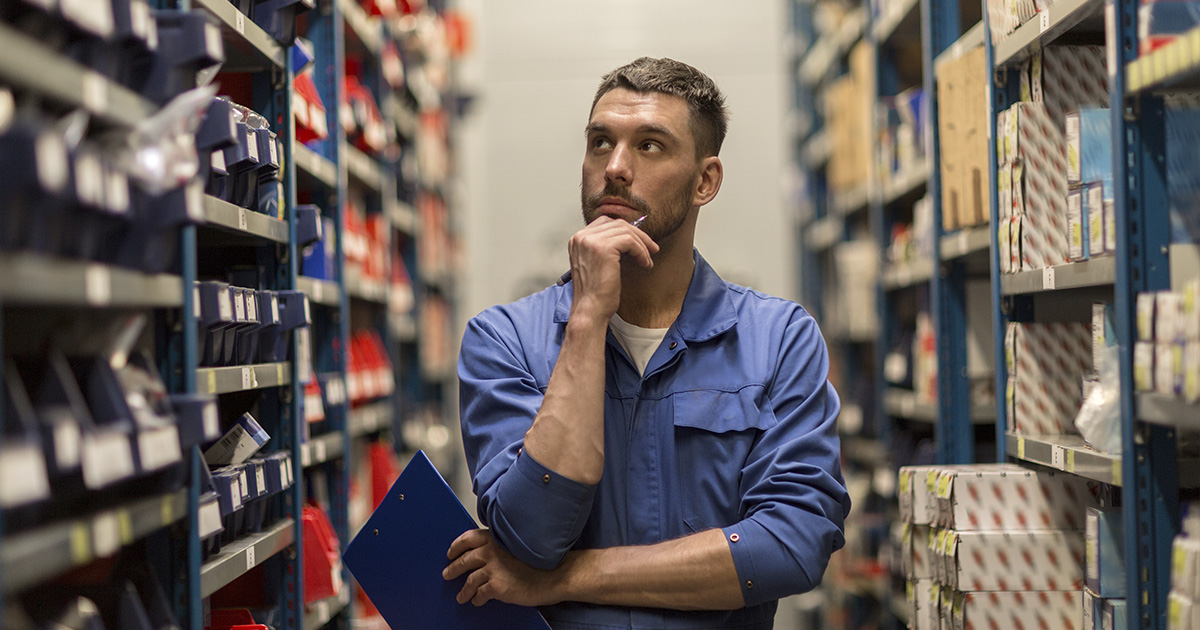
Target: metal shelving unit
(31,557)
(323,611)
(324,292)
(247,46)
(1167,411)
(1097,272)
(240,221)
(965,242)
(34,279)
(1061,17)
(315,166)
(242,555)
(242,378)
(906,274)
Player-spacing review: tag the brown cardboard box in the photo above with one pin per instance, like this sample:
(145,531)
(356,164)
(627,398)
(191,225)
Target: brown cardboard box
(962,129)
(849,109)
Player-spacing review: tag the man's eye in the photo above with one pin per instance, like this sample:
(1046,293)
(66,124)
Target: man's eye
(601,143)
(651,147)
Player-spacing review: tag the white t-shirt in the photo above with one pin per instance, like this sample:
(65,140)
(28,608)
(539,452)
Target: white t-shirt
(639,342)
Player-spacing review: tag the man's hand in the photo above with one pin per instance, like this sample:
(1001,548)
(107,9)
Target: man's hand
(596,262)
(496,574)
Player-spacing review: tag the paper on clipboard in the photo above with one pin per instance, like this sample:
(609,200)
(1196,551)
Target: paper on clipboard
(398,557)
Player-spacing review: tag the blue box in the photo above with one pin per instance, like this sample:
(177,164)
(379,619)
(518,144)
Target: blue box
(1113,615)
(1089,147)
(1106,552)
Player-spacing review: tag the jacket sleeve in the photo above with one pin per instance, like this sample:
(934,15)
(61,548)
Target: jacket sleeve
(793,496)
(534,513)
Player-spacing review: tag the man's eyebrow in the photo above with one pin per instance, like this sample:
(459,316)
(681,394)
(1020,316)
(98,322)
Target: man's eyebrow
(649,128)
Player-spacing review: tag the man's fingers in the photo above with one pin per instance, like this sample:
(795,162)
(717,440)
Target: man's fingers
(463,564)
(469,590)
(469,540)
(483,594)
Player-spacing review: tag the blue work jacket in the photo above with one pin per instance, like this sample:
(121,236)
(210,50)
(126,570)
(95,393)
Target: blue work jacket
(732,427)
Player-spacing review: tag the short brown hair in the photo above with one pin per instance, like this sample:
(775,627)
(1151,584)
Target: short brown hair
(706,104)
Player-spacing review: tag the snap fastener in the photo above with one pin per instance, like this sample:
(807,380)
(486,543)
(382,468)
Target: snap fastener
(749,583)
(734,537)
(673,344)
(545,478)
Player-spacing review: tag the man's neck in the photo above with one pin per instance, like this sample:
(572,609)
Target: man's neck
(653,298)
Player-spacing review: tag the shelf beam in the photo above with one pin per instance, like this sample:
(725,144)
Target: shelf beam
(242,555)
(1062,16)
(1096,272)
(34,279)
(240,378)
(243,222)
(248,47)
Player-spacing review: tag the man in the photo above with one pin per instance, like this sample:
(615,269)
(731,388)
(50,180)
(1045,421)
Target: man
(651,447)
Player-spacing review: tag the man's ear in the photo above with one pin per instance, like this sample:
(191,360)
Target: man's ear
(709,182)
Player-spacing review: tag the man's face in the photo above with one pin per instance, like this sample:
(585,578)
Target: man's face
(640,160)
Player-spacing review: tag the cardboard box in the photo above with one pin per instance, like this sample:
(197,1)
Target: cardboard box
(922,605)
(916,559)
(1014,561)
(1143,366)
(1091,610)
(962,137)
(849,111)
(1045,610)
(238,444)
(1191,371)
(1009,497)
(915,495)
(1106,552)
(1072,78)
(1185,566)
(1076,226)
(1182,612)
(1097,235)
(1113,615)
(1089,146)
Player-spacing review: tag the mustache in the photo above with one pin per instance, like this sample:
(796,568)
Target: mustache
(615,190)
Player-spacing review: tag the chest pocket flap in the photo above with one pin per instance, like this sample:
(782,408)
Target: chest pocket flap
(720,411)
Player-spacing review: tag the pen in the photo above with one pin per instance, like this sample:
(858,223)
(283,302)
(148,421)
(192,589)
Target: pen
(566,277)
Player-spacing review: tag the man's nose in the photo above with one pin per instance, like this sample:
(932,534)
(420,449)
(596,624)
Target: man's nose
(618,168)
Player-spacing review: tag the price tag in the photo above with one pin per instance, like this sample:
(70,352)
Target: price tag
(245,378)
(278,373)
(212,421)
(1116,472)
(1070,462)
(1048,279)
(239,23)
(1020,448)
(319,447)
(208,520)
(241,218)
(125,526)
(196,302)
(1058,457)
(98,285)
(212,381)
(81,544)
(105,535)
(963,244)
(249,557)
(95,91)
(1045,20)
(167,511)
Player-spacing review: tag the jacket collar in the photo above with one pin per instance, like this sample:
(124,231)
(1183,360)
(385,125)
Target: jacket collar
(707,308)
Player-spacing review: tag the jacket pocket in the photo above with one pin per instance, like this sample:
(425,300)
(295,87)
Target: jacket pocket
(715,430)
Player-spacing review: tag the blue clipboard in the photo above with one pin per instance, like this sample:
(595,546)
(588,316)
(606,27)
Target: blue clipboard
(398,557)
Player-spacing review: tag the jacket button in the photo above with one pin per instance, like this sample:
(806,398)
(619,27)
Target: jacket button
(545,478)
(734,537)
(673,345)
(749,583)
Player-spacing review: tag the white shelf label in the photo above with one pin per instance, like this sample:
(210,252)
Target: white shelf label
(261,478)
(66,445)
(224,306)
(1045,20)
(243,485)
(963,244)
(323,611)
(1058,457)
(208,520)
(95,92)
(275,307)
(241,218)
(246,382)
(319,448)
(249,557)
(98,285)
(1048,279)
(159,447)
(212,421)
(106,536)
(196,302)
(106,458)
(22,475)
(239,23)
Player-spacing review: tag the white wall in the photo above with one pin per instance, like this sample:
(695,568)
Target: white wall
(534,71)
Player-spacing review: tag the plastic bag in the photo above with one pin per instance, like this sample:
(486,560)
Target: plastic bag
(1099,419)
(161,153)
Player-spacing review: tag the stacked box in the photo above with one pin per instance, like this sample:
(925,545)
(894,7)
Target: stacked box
(1033,171)
(1045,610)
(1006,497)
(922,604)
(1183,178)
(1046,364)
(1166,356)
(1105,552)
(916,494)
(1005,561)
(1183,606)
(1071,78)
